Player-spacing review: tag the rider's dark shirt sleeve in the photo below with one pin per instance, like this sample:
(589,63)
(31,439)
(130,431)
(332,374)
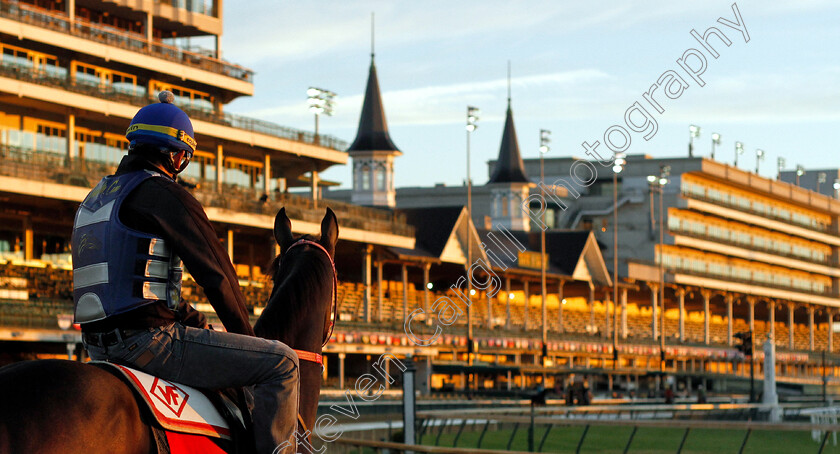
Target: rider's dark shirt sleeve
(162,207)
(181,218)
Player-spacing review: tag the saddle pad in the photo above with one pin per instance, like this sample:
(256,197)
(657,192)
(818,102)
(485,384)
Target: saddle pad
(177,407)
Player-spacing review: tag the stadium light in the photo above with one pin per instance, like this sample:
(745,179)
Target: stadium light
(545,139)
(836,188)
(759,156)
(618,166)
(510,295)
(820,179)
(739,149)
(715,141)
(693,133)
(657,184)
(472,124)
(800,170)
(430,286)
(320,102)
(472,118)
(780,164)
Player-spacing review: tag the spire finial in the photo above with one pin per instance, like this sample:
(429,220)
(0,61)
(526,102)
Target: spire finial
(372,52)
(508,83)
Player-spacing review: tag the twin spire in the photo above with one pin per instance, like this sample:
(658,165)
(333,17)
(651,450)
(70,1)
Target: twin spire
(373,132)
(509,166)
(373,127)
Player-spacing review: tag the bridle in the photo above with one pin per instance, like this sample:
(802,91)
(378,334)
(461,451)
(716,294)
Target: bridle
(312,356)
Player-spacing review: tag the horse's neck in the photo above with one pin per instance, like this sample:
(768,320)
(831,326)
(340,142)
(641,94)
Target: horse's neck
(302,335)
(310,392)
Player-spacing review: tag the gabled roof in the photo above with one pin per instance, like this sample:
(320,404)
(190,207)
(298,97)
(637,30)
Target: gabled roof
(373,128)
(509,167)
(442,233)
(572,253)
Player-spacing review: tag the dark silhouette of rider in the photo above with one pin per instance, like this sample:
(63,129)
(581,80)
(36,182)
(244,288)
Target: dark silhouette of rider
(130,237)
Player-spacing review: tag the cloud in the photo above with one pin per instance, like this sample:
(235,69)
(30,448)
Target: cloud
(444,104)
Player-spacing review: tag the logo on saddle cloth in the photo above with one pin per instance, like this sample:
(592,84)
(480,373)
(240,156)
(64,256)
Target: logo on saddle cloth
(173,397)
(177,407)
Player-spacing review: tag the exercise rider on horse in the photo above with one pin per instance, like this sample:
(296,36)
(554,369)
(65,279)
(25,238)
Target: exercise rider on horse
(129,238)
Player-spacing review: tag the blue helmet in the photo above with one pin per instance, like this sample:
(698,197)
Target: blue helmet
(162,124)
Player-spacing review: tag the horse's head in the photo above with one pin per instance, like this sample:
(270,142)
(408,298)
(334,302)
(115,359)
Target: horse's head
(300,309)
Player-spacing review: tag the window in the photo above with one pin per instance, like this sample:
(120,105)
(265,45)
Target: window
(365,177)
(185,97)
(380,178)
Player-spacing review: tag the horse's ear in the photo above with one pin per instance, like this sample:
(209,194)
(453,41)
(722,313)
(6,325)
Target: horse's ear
(283,229)
(329,231)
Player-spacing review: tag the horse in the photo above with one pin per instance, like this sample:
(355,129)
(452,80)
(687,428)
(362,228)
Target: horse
(59,406)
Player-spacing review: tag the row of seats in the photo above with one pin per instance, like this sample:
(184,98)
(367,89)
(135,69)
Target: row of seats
(50,292)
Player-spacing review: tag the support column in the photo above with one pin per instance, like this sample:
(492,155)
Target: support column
(229,244)
(607,318)
(71,137)
(71,11)
(811,328)
(28,239)
(314,186)
(220,167)
(681,299)
(751,303)
(707,295)
(654,295)
(829,317)
(148,23)
(366,272)
(507,303)
(387,372)
(426,267)
(379,291)
(729,300)
(489,310)
(527,302)
(560,285)
(267,174)
(405,291)
(624,313)
(771,319)
(791,326)
(590,301)
(341,357)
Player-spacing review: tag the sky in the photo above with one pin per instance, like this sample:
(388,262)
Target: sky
(576,67)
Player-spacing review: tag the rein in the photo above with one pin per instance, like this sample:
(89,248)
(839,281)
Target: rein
(312,356)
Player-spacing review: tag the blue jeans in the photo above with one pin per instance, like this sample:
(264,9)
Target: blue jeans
(210,359)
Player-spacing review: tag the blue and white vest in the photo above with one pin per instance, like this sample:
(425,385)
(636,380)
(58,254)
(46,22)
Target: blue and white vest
(116,268)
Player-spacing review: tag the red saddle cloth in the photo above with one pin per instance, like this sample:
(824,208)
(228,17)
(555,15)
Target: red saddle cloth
(181,443)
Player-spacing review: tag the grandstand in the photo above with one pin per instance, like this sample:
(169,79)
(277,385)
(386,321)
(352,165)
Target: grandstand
(733,263)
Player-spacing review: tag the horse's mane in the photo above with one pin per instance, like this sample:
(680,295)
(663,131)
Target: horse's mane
(301,278)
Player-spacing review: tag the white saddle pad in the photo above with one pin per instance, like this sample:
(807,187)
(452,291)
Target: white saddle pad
(177,407)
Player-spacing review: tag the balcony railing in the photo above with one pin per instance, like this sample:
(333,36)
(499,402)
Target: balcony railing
(56,168)
(819,227)
(115,37)
(729,277)
(51,79)
(753,247)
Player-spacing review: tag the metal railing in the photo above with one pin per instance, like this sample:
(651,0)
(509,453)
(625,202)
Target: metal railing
(816,226)
(20,72)
(751,246)
(56,168)
(119,38)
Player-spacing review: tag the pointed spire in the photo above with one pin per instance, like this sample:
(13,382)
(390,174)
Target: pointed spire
(509,166)
(372,41)
(373,128)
